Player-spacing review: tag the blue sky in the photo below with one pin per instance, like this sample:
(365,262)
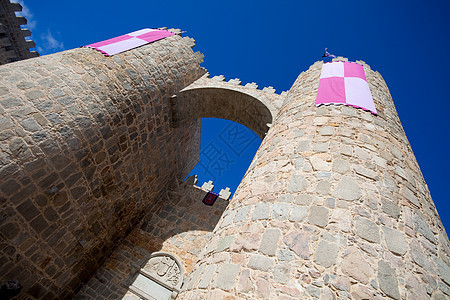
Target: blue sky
(270,43)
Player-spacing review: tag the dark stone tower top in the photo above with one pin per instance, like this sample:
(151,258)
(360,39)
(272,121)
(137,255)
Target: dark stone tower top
(13,45)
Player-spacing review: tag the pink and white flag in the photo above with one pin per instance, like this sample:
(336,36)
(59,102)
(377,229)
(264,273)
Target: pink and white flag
(344,83)
(129,41)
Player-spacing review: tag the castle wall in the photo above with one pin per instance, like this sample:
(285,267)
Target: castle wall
(333,206)
(86,148)
(179,224)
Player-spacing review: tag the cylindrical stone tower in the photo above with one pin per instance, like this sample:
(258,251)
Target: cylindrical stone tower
(333,206)
(86,148)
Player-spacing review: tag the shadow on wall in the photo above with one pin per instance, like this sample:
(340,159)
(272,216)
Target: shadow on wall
(179,224)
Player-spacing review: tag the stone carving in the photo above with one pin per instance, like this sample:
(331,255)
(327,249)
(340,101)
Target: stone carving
(166,269)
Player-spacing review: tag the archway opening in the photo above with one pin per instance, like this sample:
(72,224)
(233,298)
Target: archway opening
(226,150)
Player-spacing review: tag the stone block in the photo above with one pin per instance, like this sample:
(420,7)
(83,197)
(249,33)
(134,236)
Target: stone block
(304,146)
(9,230)
(415,288)
(418,255)
(54,118)
(262,211)
(303,199)
(347,189)
(297,183)
(346,150)
(387,279)
(326,130)
(444,288)
(298,213)
(260,262)
(299,243)
(318,215)
(299,163)
(438,295)
(409,195)
(10,187)
(227,276)
(280,211)
(11,102)
(355,266)
(228,218)
(207,276)
(285,255)
(320,147)
(330,203)
(421,226)
(30,125)
(366,173)
(395,241)
(208,186)
(390,208)
(323,187)
(326,254)
(281,273)
(341,283)
(6,123)
(225,193)
(319,164)
(245,285)
(269,243)
(287,198)
(241,214)
(262,288)
(3,91)
(444,270)
(314,291)
(28,210)
(367,230)
(34,94)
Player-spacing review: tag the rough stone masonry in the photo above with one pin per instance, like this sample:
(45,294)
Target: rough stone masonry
(86,149)
(333,206)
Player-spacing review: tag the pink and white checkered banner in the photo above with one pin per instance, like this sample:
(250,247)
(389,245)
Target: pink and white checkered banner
(129,41)
(344,83)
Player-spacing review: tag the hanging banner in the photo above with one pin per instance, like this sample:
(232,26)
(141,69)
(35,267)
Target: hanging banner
(129,41)
(210,198)
(344,83)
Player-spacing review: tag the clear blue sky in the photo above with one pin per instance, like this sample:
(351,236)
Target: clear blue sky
(271,42)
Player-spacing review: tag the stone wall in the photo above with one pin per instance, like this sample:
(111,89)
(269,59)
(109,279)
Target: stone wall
(333,206)
(86,148)
(179,224)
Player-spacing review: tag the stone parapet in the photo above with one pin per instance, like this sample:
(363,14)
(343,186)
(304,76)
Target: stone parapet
(86,148)
(333,206)
(217,98)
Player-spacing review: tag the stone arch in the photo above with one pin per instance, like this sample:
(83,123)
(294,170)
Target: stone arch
(214,98)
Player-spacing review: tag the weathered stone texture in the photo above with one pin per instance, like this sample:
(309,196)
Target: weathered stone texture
(333,205)
(179,224)
(360,221)
(87,146)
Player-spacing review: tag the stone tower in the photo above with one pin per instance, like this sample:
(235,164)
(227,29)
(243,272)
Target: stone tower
(94,150)
(333,206)
(13,45)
